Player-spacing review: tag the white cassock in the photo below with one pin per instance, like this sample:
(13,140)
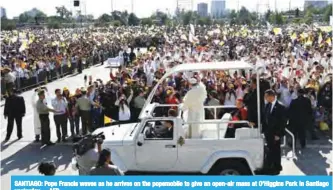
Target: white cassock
(37,125)
(193,103)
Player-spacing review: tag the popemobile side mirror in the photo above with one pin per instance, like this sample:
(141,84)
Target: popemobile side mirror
(141,139)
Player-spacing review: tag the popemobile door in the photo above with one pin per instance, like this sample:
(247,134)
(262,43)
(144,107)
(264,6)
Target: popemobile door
(157,148)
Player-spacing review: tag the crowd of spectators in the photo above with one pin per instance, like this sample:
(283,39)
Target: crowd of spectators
(290,59)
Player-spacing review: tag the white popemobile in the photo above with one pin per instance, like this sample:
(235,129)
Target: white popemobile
(137,147)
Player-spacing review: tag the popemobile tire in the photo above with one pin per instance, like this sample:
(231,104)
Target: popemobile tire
(228,167)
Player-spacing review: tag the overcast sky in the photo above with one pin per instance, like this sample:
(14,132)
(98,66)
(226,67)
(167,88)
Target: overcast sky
(142,8)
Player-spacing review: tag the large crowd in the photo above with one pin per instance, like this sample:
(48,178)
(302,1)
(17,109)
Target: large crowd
(293,61)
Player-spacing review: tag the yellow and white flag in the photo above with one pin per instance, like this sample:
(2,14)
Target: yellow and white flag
(329,41)
(107,120)
(293,36)
(277,31)
(23,46)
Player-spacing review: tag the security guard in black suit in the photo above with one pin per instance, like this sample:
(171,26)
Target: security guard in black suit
(300,116)
(250,100)
(14,110)
(274,123)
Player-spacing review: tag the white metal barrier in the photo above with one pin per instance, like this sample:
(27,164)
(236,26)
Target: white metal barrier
(218,125)
(205,107)
(293,143)
(218,107)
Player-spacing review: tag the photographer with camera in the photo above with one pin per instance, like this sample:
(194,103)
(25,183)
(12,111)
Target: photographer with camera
(87,153)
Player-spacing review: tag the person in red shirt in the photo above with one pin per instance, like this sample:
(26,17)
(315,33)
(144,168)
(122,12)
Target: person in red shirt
(240,114)
(171,98)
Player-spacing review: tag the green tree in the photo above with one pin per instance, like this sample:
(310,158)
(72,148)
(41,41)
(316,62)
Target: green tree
(327,13)
(34,15)
(233,17)
(116,23)
(147,21)
(54,24)
(89,18)
(104,18)
(160,18)
(268,15)
(133,20)
(297,21)
(24,18)
(297,13)
(204,21)
(244,16)
(7,24)
(40,16)
(308,18)
(277,18)
(63,12)
(187,17)
(122,17)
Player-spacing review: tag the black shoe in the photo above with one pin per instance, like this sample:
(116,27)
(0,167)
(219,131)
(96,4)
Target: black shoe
(64,140)
(6,140)
(58,141)
(276,172)
(20,137)
(314,137)
(50,144)
(36,140)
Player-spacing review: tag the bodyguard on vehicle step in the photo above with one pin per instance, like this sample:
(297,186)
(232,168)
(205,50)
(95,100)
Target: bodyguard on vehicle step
(274,123)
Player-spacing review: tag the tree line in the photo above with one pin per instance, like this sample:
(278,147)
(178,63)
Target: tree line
(64,18)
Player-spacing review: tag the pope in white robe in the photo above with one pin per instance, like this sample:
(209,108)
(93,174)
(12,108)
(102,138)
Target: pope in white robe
(193,104)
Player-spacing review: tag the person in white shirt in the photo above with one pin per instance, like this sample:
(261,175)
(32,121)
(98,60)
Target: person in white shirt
(230,96)
(150,77)
(60,117)
(124,109)
(9,78)
(285,95)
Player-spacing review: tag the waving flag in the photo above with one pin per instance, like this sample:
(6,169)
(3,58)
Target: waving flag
(107,120)
(277,31)
(191,35)
(293,36)
(329,41)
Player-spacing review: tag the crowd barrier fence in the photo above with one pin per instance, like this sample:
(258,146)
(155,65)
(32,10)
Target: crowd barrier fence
(42,77)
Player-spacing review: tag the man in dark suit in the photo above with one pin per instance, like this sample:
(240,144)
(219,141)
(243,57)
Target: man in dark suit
(250,100)
(169,130)
(14,110)
(274,123)
(300,115)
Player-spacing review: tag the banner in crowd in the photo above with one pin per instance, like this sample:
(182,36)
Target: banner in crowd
(171,182)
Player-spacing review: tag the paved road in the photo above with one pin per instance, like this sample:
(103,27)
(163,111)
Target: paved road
(22,157)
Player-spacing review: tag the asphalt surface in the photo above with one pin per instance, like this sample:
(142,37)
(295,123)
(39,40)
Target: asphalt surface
(22,157)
